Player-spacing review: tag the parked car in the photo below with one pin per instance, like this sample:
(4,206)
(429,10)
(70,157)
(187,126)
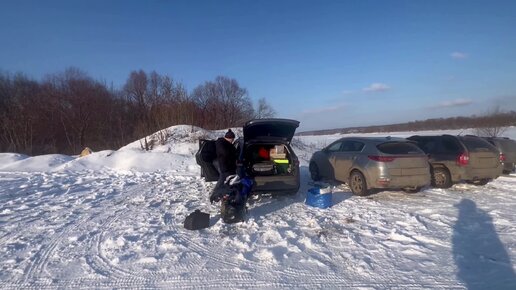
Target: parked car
(372,163)
(507,148)
(265,154)
(455,159)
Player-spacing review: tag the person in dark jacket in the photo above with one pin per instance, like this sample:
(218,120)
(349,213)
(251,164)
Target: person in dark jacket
(227,159)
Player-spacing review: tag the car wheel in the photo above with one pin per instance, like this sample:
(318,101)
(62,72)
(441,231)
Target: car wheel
(358,184)
(441,178)
(314,172)
(481,182)
(412,189)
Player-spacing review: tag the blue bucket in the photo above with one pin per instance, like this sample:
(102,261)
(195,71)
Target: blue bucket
(315,198)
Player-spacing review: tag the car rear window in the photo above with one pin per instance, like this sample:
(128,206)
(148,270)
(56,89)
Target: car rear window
(477,144)
(398,148)
(449,145)
(507,145)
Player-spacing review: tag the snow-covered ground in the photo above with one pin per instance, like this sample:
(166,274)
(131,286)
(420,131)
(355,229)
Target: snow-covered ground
(114,219)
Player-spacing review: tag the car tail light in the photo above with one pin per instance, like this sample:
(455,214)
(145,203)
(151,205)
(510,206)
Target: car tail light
(502,157)
(463,159)
(381,158)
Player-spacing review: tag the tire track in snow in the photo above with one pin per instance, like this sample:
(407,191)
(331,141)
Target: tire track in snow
(38,266)
(102,265)
(219,258)
(236,281)
(95,259)
(35,270)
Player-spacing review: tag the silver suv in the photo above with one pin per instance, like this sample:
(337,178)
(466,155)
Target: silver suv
(507,148)
(460,158)
(372,163)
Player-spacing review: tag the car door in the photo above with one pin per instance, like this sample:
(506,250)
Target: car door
(206,157)
(330,154)
(343,159)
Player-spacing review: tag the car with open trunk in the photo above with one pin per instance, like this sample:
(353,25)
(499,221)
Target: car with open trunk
(265,154)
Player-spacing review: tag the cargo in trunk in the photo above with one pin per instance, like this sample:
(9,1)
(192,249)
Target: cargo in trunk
(268,160)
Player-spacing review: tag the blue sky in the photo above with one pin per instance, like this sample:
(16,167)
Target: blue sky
(326,63)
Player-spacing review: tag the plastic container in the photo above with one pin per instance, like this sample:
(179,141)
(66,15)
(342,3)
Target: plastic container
(282,166)
(320,196)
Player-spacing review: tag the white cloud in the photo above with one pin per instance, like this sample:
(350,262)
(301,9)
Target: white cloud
(459,55)
(454,103)
(377,87)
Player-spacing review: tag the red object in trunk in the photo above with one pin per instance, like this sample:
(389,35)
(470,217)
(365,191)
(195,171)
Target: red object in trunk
(264,153)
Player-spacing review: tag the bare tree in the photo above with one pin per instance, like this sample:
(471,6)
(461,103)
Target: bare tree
(19,113)
(69,110)
(492,124)
(264,110)
(223,103)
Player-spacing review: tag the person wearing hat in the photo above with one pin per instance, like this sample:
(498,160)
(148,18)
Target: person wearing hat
(227,159)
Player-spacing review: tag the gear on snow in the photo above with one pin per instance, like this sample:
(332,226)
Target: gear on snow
(233,195)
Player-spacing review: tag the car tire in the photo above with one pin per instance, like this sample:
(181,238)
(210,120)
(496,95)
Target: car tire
(314,171)
(412,189)
(481,182)
(358,184)
(441,178)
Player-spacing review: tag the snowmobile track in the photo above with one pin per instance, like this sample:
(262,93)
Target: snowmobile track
(96,260)
(38,266)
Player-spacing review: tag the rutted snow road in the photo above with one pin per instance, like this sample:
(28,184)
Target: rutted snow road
(114,219)
(102,229)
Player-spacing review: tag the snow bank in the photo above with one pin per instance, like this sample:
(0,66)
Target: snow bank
(133,160)
(84,223)
(174,154)
(8,158)
(42,163)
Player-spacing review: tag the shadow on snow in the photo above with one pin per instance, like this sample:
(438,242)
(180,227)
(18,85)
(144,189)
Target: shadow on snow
(480,256)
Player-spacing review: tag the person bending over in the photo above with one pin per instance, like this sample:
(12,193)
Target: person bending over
(227,159)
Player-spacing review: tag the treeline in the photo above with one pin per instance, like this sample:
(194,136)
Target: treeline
(495,119)
(65,112)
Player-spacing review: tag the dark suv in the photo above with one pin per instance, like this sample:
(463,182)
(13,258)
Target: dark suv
(455,159)
(507,148)
(265,155)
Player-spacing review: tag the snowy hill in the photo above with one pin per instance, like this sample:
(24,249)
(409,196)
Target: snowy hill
(114,219)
